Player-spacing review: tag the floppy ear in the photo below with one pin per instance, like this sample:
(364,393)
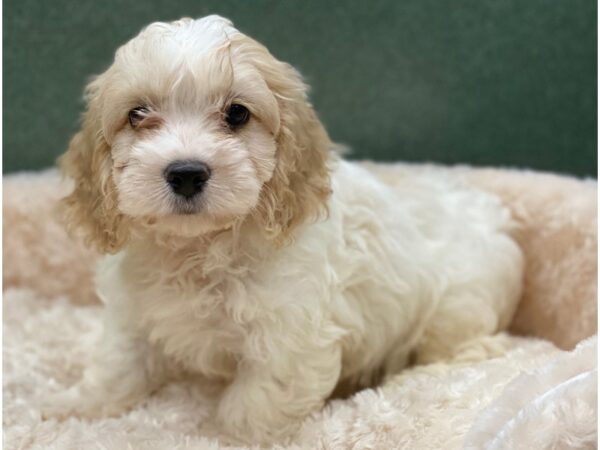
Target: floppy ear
(300,185)
(92,206)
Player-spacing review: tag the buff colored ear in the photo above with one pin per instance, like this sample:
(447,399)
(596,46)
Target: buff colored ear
(300,186)
(92,206)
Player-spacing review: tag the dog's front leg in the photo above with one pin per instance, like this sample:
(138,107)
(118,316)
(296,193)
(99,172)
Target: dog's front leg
(124,369)
(268,399)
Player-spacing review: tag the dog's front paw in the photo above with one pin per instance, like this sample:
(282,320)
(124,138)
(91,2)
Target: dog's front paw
(73,403)
(240,422)
(62,405)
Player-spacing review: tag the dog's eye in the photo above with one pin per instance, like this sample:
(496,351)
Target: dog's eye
(237,115)
(137,114)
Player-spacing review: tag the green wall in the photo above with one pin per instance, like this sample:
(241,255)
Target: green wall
(486,82)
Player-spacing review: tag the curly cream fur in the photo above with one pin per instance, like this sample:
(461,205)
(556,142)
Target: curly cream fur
(293,272)
(92,206)
(300,185)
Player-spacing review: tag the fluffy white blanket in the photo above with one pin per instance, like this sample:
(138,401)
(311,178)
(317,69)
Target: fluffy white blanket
(499,393)
(502,392)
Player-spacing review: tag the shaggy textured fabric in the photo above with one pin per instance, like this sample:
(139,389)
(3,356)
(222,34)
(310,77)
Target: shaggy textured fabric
(492,394)
(554,406)
(37,252)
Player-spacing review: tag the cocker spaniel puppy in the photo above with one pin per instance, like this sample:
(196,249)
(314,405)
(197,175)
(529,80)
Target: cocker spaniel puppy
(241,247)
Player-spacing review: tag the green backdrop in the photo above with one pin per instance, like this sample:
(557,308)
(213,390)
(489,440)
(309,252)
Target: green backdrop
(486,82)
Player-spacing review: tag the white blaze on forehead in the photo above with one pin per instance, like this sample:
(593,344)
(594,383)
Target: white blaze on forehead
(168,48)
(186,61)
(193,67)
(200,35)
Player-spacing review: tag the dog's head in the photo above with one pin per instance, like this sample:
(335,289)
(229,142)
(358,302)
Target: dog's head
(195,126)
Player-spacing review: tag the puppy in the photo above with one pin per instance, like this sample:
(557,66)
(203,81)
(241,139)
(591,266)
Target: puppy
(241,247)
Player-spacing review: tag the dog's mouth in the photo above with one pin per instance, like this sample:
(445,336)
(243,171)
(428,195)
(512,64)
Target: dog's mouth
(186,206)
(188,221)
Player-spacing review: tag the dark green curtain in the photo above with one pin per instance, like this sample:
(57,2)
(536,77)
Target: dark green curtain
(485,82)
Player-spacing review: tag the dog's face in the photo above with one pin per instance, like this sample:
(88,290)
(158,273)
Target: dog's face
(192,127)
(195,126)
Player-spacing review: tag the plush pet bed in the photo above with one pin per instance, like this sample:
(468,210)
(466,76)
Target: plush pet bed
(535,388)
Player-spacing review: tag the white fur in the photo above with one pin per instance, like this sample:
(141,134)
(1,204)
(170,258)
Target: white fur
(388,273)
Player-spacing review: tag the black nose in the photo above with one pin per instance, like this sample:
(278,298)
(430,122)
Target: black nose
(187,178)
